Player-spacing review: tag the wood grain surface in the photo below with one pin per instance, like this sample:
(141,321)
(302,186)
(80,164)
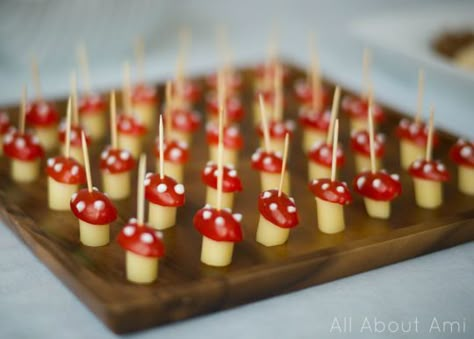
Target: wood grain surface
(187,288)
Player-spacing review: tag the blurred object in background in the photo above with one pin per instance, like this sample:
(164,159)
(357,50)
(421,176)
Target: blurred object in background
(457,46)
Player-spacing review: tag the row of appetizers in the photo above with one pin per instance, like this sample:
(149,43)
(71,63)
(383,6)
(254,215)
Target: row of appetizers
(221,228)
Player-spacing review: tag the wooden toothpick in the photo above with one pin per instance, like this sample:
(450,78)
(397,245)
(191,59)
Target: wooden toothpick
(224,51)
(126,89)
(283,165)
(334,150)
(87,163)
(75,105)
(168,109)
(113,121)
(84,65)
(278,99)
(266,134)
(22,111)
(429,143)
(161,148)
(220,166)
(184,41)
(366,64)
(221,93)
(36,78)
(421,89)
(68,128)
(140,58)
(371,136)
(315,77)
(141,191)
(272,58)
(334,113)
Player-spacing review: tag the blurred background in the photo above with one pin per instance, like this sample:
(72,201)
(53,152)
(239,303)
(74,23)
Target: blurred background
(400,33)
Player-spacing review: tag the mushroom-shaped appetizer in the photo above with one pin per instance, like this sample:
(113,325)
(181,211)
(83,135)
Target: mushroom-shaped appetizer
(176,155)
(269,164)
(4,126)
(144,247)
(320,160)
(131,132)
(361,147)
(462,153)
(93,209)
(315,126)
(233,142)
(413,137)
(25,153)
(44,119)
(428,176)
(76,143)
(378,189)
(145,102)
(376,186)
(92,111)
(95,213)
(185,93)
(116,166)
(230,184)
(304,94)
(184,123)
(357,110)
(64,177)
(233,82)
(164,195)
(220,229)
(331,196)
(141,242)
(233,108)
(277,131)
(277,216)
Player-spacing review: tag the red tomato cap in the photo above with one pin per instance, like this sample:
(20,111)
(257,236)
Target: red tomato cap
(304,93)
(232,137)
(141,239)
(92,104)
(462,153)
(333,191)
(279,210)
(66,170)
(218,225)
(360,143)
(163,192)
(41,114)
(25,147)
(358,108)
(270,162)
(230,180)
(429,170)
(93,207)
(416,132)
(131,125)
(116,160)
(175,151)
(378,186)
(321,153)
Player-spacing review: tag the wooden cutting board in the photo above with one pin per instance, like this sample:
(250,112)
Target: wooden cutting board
(186,287)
